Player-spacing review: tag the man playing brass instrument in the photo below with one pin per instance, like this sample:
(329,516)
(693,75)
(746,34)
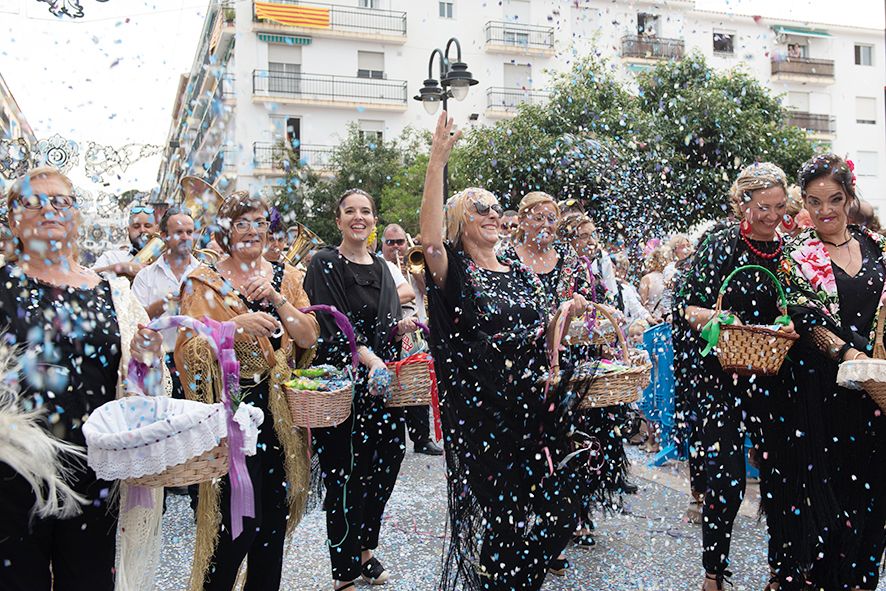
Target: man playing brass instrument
(142,223)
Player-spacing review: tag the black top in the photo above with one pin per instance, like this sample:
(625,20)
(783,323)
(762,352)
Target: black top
(264,306)
(71,343)
(858,293)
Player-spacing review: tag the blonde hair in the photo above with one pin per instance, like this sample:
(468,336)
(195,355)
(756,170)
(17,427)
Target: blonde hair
(760,175)
(657,260)
(795,200)
(456,210)
(675,241)
(529,201)
(17,189)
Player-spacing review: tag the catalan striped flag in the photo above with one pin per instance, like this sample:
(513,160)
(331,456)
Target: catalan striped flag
(293,15)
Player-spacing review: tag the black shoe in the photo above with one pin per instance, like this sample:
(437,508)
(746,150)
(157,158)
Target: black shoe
(429,448)
(628,488)
(558,566)
(374,572)
(584,541)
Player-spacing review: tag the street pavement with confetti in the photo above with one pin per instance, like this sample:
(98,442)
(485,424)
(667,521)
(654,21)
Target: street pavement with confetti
(645,547)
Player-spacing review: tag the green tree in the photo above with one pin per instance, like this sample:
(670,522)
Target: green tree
(402,196)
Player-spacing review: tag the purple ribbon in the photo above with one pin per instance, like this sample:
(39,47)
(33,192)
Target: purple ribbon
(421,326)
(221,339)
(343,324)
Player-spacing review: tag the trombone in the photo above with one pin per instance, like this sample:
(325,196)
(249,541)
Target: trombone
(203,201)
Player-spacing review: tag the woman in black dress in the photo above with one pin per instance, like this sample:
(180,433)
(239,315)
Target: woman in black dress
(730,406)
(503,437)
(76,332)
(835,277)
(360,458)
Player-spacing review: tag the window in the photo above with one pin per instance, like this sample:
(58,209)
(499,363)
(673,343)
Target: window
(724,43)
(446,9)
(293,132)
(864,55)
(798,50)
(866,163)
(372,131)
(370,64)
(647,24)
(515,38)
(284,77)
(798,101)
(866,110)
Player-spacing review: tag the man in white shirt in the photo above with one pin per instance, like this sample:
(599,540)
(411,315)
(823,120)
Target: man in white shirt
(159,285)
(142,223)
(393,249)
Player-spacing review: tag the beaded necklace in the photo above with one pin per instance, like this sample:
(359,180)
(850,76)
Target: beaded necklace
(763,255)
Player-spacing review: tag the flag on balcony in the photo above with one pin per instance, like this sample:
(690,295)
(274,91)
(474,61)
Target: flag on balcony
(293,15)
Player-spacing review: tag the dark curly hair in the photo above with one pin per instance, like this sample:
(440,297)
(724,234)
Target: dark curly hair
(828,165)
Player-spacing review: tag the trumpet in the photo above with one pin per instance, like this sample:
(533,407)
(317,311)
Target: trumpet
(305,241)
(415,260)
(203,201)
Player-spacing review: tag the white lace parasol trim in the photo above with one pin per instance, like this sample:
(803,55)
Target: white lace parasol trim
(141,435)
(852,374)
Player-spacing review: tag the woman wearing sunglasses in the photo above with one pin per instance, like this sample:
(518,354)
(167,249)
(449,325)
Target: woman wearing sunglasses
(77,332)
(262,300)
(504,439)
(359,459)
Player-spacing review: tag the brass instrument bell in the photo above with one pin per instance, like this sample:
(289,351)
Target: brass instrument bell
(415,260)
(305,241)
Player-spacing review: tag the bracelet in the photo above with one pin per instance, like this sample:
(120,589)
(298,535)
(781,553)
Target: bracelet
(283,302)
(859,353)
(841,352)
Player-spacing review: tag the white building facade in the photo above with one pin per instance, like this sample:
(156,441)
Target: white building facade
(300,72)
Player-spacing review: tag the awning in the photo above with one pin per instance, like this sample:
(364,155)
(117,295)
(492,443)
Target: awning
(799,31)
(293,15)
(284,39)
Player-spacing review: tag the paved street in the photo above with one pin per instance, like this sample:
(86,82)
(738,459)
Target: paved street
(647,547)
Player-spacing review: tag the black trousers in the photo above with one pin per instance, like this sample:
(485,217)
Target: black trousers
(261,541)
(75,554)
(360,460)
(417,424)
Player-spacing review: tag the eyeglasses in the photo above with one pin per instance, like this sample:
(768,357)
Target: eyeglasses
(550,218)
(395,241)
(586,236)
(35,202)
(137,209)
(483,208)
(509,226)
(246,225)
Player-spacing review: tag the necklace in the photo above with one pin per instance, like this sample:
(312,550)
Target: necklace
(763,255)
(844,243)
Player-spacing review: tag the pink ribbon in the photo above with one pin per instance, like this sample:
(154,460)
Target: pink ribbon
(221,338)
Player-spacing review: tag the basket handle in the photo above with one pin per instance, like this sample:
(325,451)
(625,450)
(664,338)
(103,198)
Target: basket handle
(343,324)
(879,350)
(554,352)
(421,326)
(711,331)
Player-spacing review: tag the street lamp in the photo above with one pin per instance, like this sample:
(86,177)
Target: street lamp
(455,81)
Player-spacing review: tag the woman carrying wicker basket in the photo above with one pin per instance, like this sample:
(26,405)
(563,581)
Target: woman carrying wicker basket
(261,299)
(360,458)
(504,438)
(835,277)
(77,332)
(732,406)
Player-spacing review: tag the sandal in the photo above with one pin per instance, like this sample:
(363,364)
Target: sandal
(558,566)
(719,579)
(374,572)
(345,586)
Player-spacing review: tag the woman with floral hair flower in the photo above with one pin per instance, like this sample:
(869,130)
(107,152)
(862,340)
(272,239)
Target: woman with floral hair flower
(836,273)
(731,407)
(512,506)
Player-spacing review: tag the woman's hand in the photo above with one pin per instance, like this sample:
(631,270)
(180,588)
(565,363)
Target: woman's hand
(853,354)
(146,346)
(578,306)
(443,141)
(256,324)
(406,326)
(259,289)
(789,330)
(379,378)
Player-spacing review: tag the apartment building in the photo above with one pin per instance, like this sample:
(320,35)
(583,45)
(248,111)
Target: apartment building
(13,124)
(300,72)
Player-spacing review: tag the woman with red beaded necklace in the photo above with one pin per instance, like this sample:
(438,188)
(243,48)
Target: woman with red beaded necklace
(730,407)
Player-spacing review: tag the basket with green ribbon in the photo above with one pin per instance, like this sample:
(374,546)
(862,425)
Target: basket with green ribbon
(748,349)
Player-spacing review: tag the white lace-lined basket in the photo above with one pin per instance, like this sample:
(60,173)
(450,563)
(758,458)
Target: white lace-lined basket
(868,374)
(160,441)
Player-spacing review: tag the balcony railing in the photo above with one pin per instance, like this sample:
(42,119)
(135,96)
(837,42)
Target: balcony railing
(812,122)
(641,46)
(803,66)
(519,35)
(227,87)
(508,99)
(349,18)
(273,156)
(324,87)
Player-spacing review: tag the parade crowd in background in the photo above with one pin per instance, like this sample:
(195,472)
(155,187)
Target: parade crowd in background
(519,317)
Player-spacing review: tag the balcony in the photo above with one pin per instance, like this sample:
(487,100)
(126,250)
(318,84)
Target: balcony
(502,103)
(324,90)
(815,124)
(517,38)
(272,159)
(645,49)
(227,89)
(330,20)
(803,69)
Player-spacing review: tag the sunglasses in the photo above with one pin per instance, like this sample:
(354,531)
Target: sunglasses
(35,202)
(483,209)
(395,241)
(141,209)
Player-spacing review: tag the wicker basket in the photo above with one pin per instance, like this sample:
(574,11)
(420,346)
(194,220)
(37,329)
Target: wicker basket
(318,409)
(208,465)
(581,334)
(752,350)
(411,379)
(601,390)
(876,389)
